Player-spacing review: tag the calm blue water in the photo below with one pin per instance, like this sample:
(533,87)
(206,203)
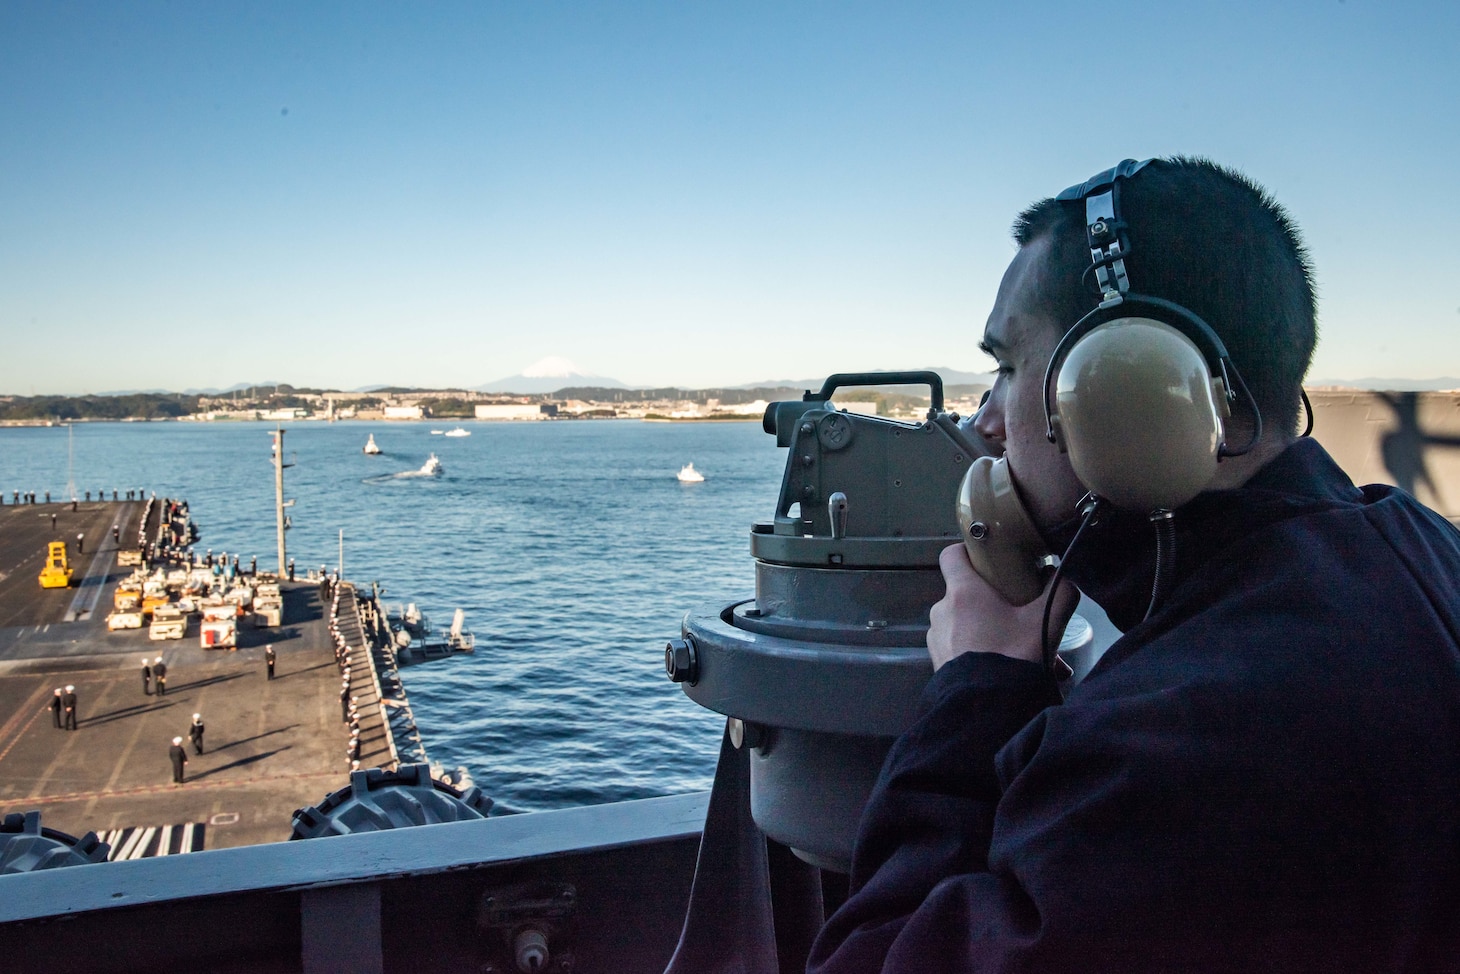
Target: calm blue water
(570,545)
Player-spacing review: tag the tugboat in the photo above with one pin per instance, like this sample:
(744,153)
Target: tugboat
(432,467)
(458,432)
(689,475)
(370,448)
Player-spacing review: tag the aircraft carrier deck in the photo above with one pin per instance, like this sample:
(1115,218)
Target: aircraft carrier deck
(270,746)
(602,888)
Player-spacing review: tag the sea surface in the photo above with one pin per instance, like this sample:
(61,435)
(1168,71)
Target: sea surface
(570,545)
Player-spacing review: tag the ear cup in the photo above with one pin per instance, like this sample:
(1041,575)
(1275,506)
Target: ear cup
(1138,413)
(1003,545)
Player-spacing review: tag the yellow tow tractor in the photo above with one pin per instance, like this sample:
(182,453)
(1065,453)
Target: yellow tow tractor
(57,573)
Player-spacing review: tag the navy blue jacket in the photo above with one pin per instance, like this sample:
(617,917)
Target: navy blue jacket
(1263,775)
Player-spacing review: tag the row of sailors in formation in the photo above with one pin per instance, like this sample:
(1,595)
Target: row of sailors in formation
(19,497)
(349,703)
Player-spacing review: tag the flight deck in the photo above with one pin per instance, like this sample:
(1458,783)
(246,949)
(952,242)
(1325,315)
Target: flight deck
(270,746)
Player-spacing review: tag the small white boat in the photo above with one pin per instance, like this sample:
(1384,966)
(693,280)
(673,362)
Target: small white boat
(689,475)
(459,432)
(432,467)
(438,432)
(370,446)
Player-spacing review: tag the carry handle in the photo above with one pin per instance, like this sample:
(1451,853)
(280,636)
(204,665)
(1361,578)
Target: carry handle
(932,380)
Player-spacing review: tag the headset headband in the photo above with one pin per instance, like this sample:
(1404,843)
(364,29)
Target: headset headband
(1109,242)
(1104,230)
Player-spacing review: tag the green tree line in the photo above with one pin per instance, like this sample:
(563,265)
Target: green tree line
(59,408)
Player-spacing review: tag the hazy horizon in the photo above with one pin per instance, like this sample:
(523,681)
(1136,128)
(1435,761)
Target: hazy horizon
(1373,383)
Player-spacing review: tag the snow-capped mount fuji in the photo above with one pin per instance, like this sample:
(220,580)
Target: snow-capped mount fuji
(549,375)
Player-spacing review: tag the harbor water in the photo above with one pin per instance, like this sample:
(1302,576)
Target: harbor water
(572,547)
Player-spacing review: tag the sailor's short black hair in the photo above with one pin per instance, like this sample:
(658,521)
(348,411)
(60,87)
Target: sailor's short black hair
(1210,239)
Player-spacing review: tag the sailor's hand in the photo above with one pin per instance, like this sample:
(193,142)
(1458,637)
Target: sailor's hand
(973,618)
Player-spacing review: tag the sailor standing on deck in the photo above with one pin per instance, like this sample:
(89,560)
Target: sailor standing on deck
(159,672)
(195,732)
(269,659)
(56,708)
(179,759)
(146,676)
(68,707)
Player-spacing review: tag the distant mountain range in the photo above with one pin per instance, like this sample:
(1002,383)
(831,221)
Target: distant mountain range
(549,375)
(239,387)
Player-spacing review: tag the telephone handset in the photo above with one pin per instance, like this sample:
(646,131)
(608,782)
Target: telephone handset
(1002,542)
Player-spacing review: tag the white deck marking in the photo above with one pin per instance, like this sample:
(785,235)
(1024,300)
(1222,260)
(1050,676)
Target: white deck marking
(125,852)
(141,848)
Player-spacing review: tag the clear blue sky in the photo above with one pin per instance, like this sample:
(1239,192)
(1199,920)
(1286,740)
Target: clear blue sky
(692,193)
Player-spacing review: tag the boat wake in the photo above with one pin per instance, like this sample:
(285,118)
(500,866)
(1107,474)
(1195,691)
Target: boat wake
(431,468)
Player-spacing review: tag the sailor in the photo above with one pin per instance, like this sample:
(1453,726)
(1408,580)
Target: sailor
(1259,774)
(53,520)
(195,733)
(354,749)
(116,534)
(159,673)
(68,707)
(345,702)
(56,708)
(146,676)
(80,543)
(269,659)
(179,759)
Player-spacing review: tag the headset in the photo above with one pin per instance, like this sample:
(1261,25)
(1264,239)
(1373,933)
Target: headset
(1138,391)
(1137,394)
